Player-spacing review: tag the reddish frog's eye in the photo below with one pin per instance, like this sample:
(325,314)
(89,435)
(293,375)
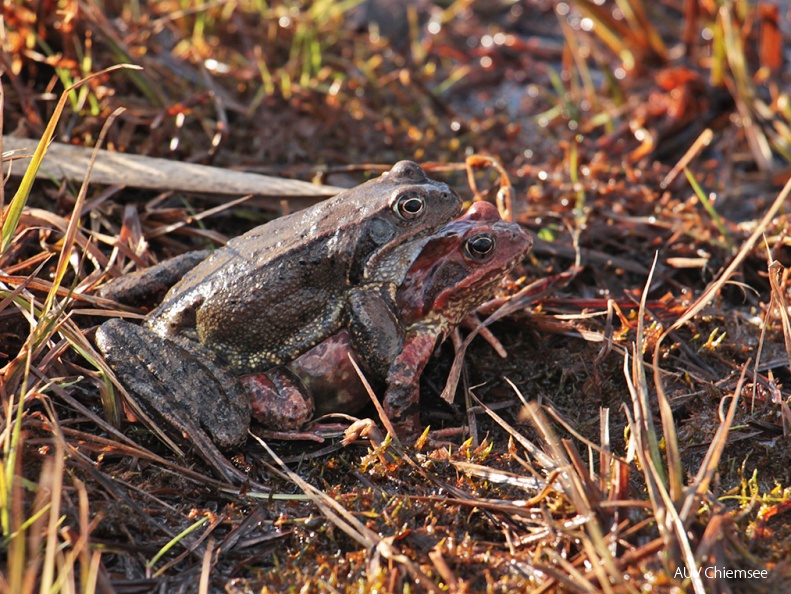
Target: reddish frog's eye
(409,205)
(479,246)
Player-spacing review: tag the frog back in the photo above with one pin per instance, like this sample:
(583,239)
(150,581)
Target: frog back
(267,295)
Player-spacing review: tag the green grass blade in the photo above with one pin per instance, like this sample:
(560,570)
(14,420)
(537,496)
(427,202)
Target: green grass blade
(175,540)
(14,212)
(704,200)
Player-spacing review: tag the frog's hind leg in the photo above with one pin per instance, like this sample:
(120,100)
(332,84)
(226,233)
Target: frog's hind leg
(149,286)
(172,384)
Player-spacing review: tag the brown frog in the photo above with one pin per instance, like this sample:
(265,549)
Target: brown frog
(274,292)
(270,295)
(457,269)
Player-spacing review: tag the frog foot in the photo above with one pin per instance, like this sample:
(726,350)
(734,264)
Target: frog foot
(169,381)
(279,400)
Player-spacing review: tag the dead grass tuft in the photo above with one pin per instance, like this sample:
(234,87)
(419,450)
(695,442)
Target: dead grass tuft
(635,435)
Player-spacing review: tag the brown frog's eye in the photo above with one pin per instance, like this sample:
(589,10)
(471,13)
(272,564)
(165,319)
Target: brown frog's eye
(409,205)
(479,246)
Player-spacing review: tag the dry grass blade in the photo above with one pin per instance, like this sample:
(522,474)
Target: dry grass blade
(69,553)
(545,488)
(378,405)
(548,410)
(350,525)
(443,569)
(645,444)
(639,444)
(189,220)
(138,171)
(206,567)
(710,292)
(93,443)
(12,497)
(742,88)
(577,488)
(633,38)
(32,217)
(52,483)
(664,510)
(681,537)
(573,579)
(700,143)
(708,466)
(74,222)
(11,216)
(89,560)
(777,277)
(20,288)
(532,292)
(52,557)
(642,406)
(536,452)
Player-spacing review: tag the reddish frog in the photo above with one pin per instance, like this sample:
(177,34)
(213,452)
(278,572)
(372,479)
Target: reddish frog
(458,268)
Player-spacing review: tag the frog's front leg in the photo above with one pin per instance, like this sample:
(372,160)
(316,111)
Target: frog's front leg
(375,329)
(402,398)
(392,353)
(189,389)
(150,285)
